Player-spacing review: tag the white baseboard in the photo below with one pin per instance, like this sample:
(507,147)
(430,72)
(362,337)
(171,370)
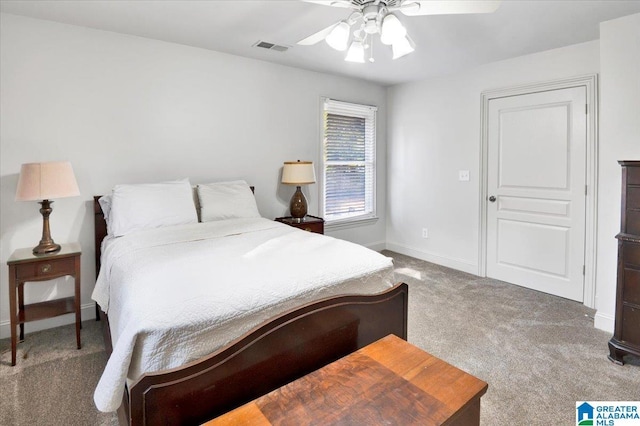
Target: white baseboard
(87,311)
(449,262)
(604,322)
(377,246)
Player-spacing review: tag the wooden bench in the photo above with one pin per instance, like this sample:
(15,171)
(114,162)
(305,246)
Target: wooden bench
(387,382)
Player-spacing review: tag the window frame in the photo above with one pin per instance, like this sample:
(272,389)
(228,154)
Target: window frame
(369,113)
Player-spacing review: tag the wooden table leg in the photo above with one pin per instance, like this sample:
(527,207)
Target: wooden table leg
(13,314)
(20,286)
(77,302)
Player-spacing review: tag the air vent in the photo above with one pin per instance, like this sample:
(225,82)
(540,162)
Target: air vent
(271,46)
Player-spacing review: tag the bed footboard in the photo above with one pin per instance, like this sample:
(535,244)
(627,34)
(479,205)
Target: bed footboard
(278,352)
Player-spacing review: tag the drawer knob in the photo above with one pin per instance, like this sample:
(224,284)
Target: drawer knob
(307,229)
(46,268)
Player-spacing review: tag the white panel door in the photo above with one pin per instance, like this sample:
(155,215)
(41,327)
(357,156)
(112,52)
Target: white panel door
(536,188)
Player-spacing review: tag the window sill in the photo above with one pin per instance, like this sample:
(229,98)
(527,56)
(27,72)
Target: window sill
(349,223)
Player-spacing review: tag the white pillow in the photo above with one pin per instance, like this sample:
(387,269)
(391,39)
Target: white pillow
(226,200)
(151,205)
(105,205)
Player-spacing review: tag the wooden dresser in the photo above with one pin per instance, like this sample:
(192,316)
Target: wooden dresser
(626,337)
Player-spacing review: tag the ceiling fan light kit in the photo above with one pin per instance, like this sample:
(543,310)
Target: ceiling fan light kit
(355,52)
(371,27)
(377,17)
(402,47)
(338,38)
(374,18)
(392,30)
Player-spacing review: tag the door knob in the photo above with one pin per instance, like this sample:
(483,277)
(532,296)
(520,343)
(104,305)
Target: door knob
(492,199)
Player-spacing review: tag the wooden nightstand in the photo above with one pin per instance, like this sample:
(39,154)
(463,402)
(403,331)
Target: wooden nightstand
(308,223)
(25,266)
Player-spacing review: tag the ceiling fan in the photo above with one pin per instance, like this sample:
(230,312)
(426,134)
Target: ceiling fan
(370,17)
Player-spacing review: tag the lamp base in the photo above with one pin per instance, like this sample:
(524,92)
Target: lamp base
(46,245)
(298,205)
(46,248)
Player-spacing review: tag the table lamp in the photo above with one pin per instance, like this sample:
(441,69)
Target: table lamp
(43,181)
(298,173)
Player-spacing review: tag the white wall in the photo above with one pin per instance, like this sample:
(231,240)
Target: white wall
(619,140)
(434,131)
(125,109)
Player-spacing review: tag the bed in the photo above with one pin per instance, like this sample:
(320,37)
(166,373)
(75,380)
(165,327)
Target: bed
(195,368)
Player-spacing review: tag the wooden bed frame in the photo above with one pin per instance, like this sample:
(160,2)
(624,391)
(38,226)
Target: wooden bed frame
(279,351)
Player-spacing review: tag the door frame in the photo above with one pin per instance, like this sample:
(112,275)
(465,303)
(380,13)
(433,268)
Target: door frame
(590,83)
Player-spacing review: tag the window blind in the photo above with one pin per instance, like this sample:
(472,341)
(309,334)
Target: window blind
(349,133)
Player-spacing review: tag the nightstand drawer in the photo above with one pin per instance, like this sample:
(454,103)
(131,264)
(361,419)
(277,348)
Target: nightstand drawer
(317,227)
(45,269)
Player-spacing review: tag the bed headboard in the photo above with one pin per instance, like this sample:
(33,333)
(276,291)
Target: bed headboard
(100,228)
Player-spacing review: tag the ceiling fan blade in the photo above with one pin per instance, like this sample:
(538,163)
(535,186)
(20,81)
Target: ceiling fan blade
(448,7)
(334,3)
(317,37)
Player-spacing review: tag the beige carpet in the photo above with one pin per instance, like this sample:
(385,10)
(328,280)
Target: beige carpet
(539,353)
(52,382)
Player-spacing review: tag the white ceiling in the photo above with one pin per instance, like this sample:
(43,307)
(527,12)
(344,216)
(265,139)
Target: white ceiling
(444,43)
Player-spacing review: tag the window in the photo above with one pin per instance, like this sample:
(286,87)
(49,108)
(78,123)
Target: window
(349,160)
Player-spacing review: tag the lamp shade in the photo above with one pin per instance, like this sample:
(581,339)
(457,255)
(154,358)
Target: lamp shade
(46,181)
(298,173)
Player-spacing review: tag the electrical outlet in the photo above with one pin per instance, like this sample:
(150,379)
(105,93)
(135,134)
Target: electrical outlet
(425,233)
(463,175)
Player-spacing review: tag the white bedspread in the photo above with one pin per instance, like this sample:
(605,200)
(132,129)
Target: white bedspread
(178,293)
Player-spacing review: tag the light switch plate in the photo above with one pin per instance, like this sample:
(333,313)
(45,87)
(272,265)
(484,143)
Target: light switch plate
(463,175)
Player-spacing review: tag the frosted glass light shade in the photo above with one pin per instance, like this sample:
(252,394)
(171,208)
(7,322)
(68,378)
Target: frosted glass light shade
(392,30)
(402,47)
(298,173)
(46,181)
(355,52)
(338,38)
